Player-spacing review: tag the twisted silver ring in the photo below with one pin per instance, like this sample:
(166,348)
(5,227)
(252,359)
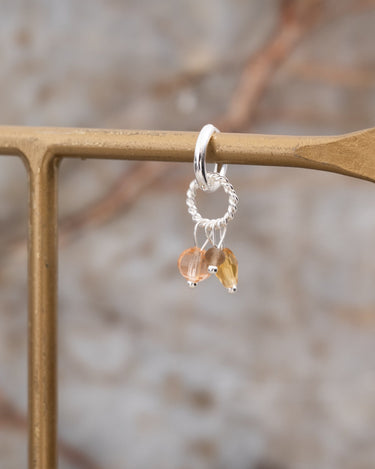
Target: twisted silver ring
(214,223)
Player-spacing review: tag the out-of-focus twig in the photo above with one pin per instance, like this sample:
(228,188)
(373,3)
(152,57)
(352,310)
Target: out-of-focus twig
(334,74)
(296,19)
(11,417)
(119,197)
(122,193)
(193,76)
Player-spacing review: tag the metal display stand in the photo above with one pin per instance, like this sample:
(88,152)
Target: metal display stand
(41,149)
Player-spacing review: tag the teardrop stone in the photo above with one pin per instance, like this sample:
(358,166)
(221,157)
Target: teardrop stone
(193,266)
(228,271)
(214,257)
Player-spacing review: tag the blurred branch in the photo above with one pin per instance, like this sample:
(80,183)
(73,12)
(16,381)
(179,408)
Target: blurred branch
(120,196)
(10,416)
(76,457)
(296,19)
(334,74)
(306,117)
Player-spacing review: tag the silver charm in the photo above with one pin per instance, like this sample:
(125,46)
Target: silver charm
(195,264)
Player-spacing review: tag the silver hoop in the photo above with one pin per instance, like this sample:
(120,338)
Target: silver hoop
(210,225)
(200,151)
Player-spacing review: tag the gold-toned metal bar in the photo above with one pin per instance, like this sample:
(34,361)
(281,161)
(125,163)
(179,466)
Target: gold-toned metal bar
(42,147)
(42,350)
(350,154)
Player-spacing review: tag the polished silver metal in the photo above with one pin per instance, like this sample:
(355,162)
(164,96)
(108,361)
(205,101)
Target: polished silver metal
(212,269)
(192,284)
(200,168)
(232,289)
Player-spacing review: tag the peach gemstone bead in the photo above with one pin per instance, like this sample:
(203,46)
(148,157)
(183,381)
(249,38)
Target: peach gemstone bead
(228,271)
(193,266)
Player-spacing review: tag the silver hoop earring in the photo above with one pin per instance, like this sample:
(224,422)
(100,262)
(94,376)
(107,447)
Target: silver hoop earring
(196,264)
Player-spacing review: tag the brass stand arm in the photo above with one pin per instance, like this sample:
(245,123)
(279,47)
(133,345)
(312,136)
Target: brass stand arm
(351,154)
(42,147)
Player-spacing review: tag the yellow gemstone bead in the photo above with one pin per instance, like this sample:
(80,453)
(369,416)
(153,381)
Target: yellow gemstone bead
(227,272)
(193,265)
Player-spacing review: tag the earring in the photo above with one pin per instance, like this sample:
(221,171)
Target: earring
(196,264)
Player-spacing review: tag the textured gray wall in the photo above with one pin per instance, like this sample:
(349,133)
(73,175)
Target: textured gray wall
(152,374)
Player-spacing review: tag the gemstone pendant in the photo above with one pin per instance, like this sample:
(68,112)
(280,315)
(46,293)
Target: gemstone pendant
(227,272)
(193,266)
(214,257)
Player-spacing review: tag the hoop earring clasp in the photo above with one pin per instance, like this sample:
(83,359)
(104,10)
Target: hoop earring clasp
(200,151)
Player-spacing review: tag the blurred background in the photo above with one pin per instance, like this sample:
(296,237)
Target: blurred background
(152,374)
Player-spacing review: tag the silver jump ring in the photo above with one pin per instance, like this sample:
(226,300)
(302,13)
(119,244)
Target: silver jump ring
(200,151)
(214,223)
